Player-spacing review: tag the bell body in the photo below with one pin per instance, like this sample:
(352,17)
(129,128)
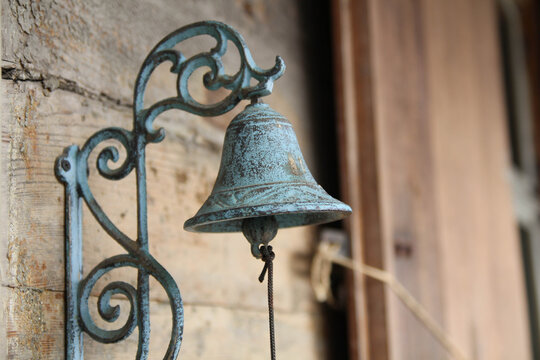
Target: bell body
(263,173)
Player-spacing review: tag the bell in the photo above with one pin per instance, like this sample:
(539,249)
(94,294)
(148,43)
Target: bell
(263,175)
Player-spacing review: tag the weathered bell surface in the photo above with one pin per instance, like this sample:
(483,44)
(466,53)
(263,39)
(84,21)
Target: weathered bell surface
(263,173)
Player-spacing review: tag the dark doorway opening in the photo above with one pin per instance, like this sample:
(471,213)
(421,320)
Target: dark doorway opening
(317,32)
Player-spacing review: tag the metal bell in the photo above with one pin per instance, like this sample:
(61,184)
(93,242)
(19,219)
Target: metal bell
(263,174)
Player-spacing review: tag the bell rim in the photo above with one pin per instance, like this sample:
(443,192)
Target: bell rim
(198,223)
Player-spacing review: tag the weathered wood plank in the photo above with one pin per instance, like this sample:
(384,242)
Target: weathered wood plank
(4,300)
(439,153)
(396,226)
(101,44)
(485,297)
(73,66)
(366,313)
(36,331)
(4,223)
(211,269)
(405,163)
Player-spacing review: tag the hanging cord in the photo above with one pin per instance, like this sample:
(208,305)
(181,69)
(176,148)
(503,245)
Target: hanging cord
(268,256)
(320,279)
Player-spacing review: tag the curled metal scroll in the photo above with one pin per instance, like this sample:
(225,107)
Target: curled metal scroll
(72,169)
(238,83)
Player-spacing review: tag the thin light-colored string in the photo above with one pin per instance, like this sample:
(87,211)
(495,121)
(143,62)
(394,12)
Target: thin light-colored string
(320,277)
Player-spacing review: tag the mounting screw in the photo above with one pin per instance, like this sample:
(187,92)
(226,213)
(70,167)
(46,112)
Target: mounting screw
(65,165)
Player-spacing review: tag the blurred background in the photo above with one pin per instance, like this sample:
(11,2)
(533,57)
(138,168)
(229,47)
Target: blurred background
(423,115)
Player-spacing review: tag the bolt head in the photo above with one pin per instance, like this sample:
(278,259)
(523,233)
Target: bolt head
(66,165)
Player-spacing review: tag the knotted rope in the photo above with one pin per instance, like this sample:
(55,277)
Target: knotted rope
(268,256)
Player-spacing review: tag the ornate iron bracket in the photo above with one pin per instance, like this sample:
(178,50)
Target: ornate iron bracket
(72,170)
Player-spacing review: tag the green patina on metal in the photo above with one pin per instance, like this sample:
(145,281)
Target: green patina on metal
(263,176)
(263,173)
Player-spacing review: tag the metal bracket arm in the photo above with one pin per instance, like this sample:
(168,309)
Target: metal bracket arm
(72,166)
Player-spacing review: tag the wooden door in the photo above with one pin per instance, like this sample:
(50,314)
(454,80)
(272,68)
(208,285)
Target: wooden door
(425,162)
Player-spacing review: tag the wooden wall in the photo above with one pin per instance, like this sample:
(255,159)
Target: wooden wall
(426,161)
(68,69)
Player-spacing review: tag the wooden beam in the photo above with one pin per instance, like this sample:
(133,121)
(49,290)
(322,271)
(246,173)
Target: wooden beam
(424,154)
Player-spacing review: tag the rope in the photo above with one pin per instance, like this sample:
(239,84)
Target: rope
(268,256)
(328,253)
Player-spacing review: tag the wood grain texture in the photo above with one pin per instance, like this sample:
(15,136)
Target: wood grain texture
(35,319)
(485,310)
(4,146)
(367,314)
(68,70)
(405,163)
(211,270)
(431,88)
(185,168)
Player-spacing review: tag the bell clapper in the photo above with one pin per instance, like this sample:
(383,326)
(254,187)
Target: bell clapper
(260,231)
